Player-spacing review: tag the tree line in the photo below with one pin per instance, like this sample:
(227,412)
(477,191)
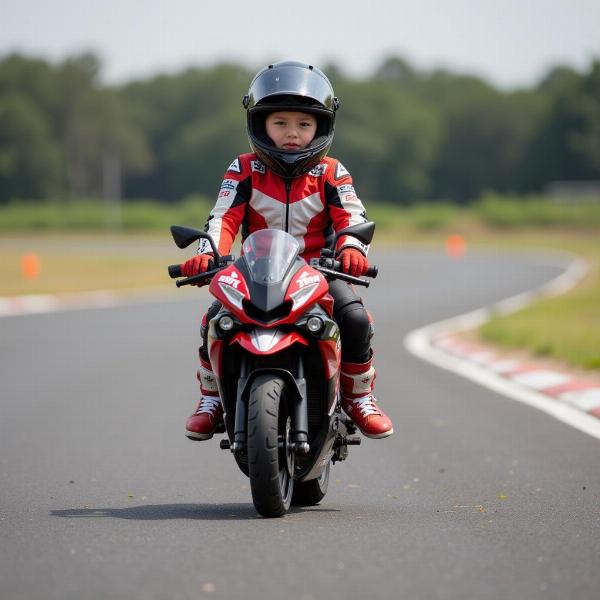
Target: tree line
(405,134)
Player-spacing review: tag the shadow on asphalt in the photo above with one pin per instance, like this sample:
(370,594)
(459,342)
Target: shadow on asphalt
(158,512)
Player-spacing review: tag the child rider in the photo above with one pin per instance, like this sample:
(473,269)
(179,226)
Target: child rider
(289,183)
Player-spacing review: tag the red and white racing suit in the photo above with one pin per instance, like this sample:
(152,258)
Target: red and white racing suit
(311,208)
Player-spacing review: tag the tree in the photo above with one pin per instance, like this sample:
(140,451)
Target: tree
(567,143)
(486,135)
(30,159)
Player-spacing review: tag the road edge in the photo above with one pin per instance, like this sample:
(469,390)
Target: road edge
(14,306)
(571,400)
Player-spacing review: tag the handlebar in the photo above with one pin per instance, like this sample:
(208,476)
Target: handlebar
(333,269)
(174,271)
(343,276)
(372,271)
(335,273)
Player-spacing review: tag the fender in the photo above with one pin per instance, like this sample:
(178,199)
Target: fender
(296,394)
(261,340)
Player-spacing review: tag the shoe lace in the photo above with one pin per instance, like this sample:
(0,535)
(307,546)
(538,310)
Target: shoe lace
(208,404)
(366,405)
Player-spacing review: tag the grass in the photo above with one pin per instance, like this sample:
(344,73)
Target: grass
(66,272)
(565,328)
(511,212)
(133,215)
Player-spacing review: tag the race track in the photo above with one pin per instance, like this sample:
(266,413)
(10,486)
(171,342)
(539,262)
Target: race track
(101,496)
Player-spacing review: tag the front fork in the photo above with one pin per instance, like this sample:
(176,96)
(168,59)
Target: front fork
(296,396)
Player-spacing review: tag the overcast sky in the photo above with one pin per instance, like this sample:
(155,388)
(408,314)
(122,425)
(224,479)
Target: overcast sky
(509,42)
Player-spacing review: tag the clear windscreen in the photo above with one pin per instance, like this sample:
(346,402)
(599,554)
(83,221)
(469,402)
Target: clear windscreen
(269,254)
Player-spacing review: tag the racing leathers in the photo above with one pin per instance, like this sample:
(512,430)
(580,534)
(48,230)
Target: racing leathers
(311,208)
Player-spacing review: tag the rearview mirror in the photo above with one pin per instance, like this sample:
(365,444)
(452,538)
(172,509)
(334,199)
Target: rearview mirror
(363,232)
(184,236)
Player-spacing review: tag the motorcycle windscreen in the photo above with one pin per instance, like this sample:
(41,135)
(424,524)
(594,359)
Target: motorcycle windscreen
(269,253)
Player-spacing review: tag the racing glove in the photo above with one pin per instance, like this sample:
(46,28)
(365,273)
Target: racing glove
(197,264)
(353,262)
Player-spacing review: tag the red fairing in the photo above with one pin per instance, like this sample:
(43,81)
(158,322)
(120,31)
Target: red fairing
(306,288)
(215,350)
(326,303)
(266,341)
(229,287)
(331,354)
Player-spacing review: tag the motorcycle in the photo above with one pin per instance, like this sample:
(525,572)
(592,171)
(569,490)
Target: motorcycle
(275,350)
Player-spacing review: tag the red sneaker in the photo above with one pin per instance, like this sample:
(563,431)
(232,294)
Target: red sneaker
(367,416)
(208,416)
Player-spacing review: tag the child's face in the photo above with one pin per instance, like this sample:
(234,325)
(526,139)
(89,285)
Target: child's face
(291,130)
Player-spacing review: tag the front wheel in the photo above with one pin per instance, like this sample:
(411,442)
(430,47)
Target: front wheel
(309,493)
(270,452)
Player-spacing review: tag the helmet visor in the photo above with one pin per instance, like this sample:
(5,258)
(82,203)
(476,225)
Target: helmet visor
(293,81)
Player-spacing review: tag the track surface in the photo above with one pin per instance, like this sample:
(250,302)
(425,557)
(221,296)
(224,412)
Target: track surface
(101,496)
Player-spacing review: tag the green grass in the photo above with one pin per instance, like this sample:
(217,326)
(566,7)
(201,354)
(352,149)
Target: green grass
(564,328)
(509,212)
(135,215)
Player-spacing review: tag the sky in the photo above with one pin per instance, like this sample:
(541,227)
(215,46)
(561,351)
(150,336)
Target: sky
(511,43)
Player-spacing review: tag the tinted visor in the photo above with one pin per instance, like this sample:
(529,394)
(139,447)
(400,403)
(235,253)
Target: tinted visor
(293,81)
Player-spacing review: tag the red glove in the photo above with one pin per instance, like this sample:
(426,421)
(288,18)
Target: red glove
(353,262)
(196,265)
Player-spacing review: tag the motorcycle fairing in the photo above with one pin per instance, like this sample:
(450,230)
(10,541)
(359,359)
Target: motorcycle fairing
(230,288)
(261,340)
(215,352)
(326,302)
(270,305)
(307,287)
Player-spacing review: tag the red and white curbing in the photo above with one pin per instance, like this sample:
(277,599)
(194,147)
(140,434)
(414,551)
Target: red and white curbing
(12,306)
(576,391)
(574,400)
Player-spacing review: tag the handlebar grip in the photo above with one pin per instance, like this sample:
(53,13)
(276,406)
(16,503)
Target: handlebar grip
(372,271)
(175,271)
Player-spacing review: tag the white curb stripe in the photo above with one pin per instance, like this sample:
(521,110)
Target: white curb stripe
(585,400)
(47,303)
(540,380)
(420,343)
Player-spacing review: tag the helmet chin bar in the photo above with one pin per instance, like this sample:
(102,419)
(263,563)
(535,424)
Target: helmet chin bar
(290,163)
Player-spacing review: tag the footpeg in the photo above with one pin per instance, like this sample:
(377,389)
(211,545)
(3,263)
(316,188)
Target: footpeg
(347,440)
(224,445)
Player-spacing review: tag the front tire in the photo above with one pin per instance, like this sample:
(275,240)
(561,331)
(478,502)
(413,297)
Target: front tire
(270,455)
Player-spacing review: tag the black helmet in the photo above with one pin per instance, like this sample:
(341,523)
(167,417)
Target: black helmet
(293,86)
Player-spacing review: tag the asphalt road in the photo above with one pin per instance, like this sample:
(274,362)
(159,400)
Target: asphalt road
(101,496)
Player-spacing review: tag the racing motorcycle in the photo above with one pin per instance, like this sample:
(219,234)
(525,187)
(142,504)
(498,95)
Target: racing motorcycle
(275,351)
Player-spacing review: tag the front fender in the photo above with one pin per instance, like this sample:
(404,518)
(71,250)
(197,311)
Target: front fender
(291,383)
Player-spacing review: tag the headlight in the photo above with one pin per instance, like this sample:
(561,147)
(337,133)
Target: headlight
(226,323)
(314,324)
